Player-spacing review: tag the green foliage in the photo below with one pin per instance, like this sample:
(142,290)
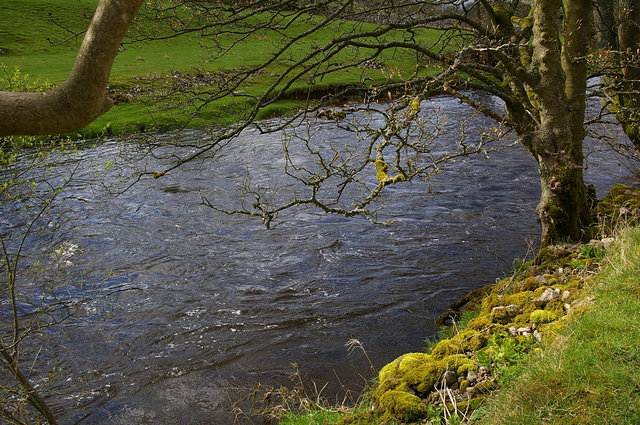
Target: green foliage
(504,354)
(319,417)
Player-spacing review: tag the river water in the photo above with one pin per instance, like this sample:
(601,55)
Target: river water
(182,303)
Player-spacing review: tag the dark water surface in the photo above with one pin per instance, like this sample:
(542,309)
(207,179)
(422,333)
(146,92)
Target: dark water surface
(185,300)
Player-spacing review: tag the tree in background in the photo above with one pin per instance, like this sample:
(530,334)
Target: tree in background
(532,55)
(82,97)
(618,34)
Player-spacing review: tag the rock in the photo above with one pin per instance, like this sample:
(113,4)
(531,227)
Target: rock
(524,330)
(567,308)
(541,280)
(513,331)
(484,371)
(472,377)
(504,313)
(449,379)
(549,294)
(607,242)
(566,295)
(537,335)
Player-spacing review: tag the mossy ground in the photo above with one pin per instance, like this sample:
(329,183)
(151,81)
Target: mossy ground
(559,339)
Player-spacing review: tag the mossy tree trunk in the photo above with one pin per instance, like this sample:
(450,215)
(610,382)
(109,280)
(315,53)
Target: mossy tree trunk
(618,24)
(559,70)
(82,97)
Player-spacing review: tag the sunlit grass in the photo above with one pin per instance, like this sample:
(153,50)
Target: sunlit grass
(590,375)
(42,38)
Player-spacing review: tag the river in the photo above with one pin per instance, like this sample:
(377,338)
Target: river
(181,304)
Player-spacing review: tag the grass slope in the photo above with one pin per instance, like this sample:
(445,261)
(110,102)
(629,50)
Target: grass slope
(41,38)
(590,375)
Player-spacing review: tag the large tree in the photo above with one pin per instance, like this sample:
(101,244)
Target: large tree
(618,33)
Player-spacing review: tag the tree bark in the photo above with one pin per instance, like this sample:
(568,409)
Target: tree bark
(618,29)
(628,32)
(82,97)
(560,69)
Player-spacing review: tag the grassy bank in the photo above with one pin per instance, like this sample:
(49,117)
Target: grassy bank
(41,38)
(557,342)
(589,373)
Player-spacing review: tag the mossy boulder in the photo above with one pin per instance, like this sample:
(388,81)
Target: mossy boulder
(405,382)
(467,341)
(401,405)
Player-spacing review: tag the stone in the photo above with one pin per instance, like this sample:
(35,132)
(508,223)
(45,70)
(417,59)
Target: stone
(537,335)
(524,330)
(607,242)
(541,280)
(566,295)
(472,377)
(504,313)
(549,294)
(449,379)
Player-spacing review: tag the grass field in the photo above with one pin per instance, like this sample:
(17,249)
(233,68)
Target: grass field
(41,38)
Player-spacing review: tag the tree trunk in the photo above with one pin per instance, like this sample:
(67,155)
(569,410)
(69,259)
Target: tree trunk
(81,98)
(628,29)
(618,29)
(560,68)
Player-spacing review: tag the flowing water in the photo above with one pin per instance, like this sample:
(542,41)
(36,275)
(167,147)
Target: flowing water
(181,301)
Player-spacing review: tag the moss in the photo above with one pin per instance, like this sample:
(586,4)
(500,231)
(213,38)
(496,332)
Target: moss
(543,316)
(528,284)
(550,330)
(418,372)
(381,170)
(520,299)
(401,405)
(463,342)
(504,314)
(466,406)
(479,323)
(482,388)
(473,300)
(622,204)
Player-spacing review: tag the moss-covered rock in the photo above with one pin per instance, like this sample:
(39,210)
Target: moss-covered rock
(467,341)
(405,382)
(543,316)
(482,388)
(401,405)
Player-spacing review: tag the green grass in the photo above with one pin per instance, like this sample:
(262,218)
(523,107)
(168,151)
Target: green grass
(590,374)
(320,417)
(42,38)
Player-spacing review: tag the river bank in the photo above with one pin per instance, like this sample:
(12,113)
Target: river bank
(556,342)
(160,82)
